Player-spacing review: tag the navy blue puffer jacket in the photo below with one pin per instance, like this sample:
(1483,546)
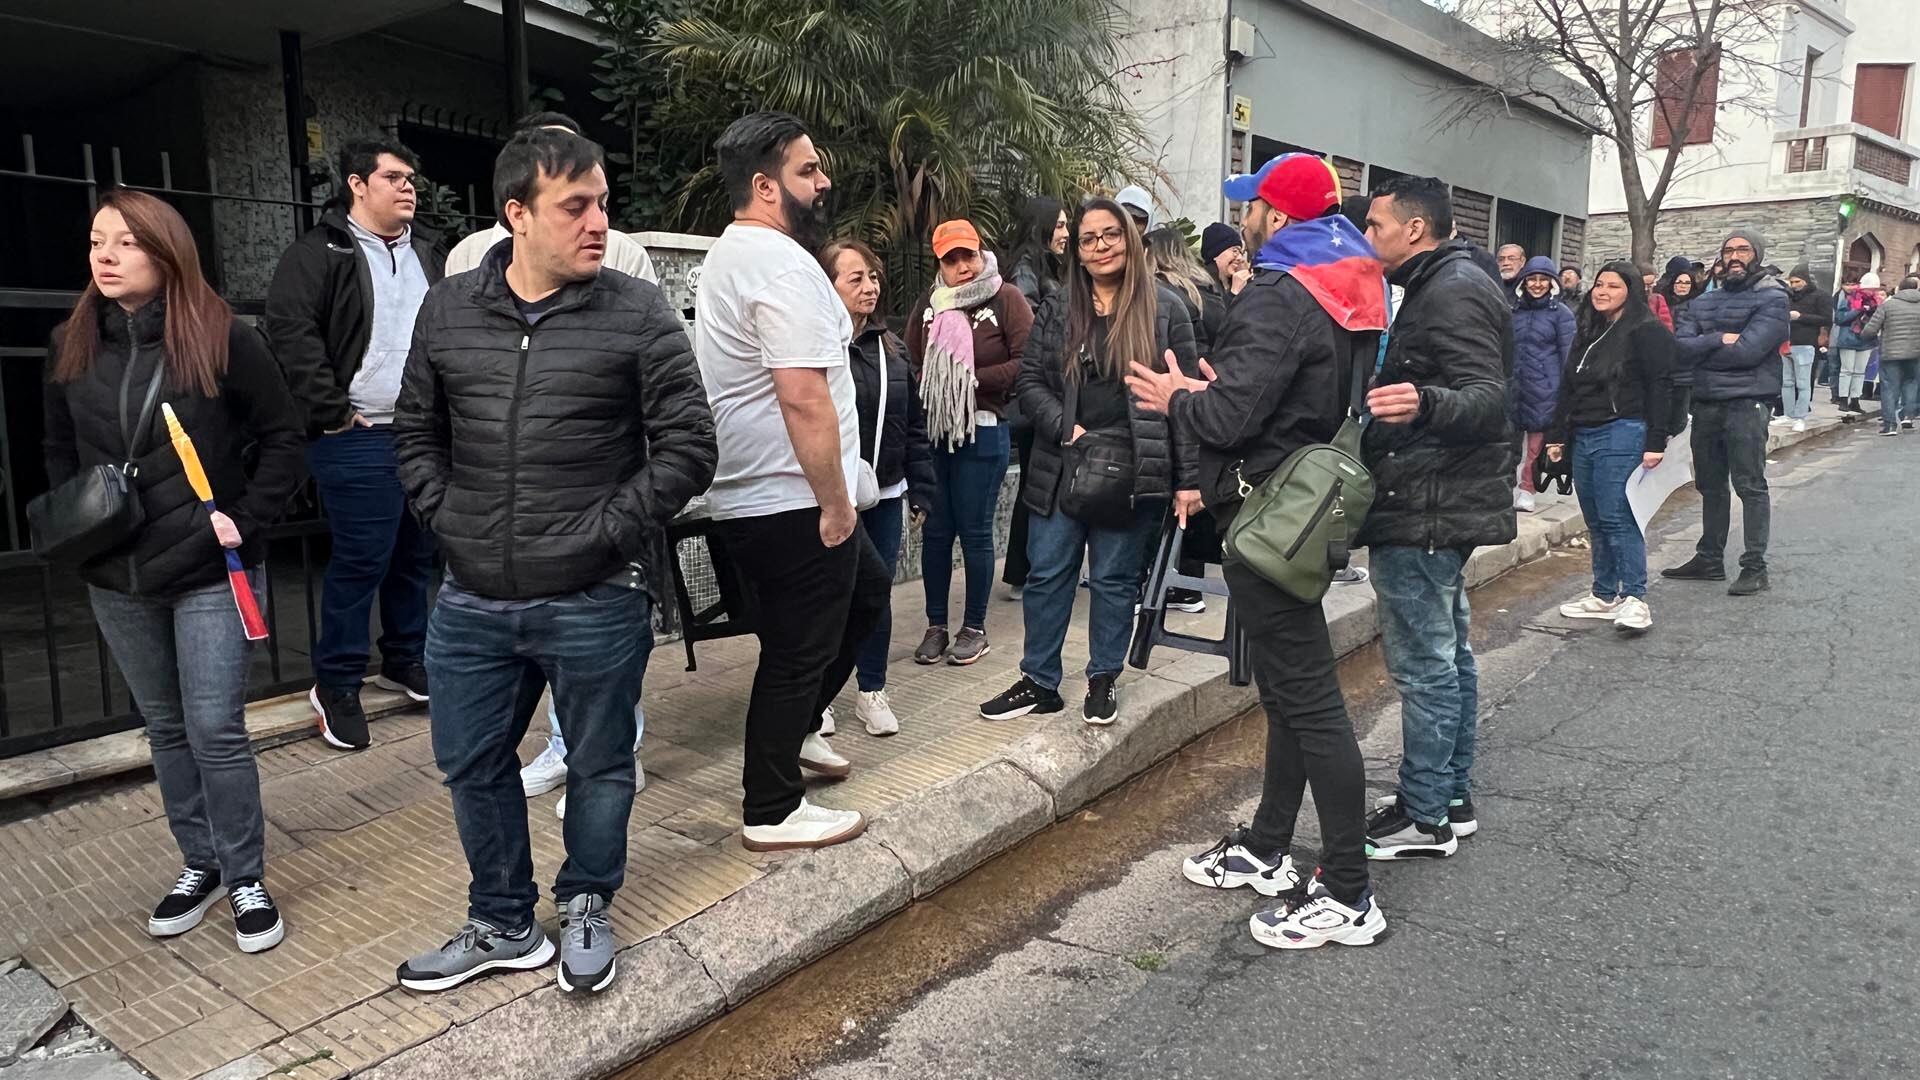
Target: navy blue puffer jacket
(1542,335)
(1749,367)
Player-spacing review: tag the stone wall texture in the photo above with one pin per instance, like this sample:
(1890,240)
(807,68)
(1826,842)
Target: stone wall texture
(1797,231)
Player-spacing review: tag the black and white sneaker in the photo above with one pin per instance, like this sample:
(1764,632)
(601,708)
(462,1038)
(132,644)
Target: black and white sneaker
(343,723)
(181,910)
(1102,706)
(1391,834)
(1189,600)
(1313,918)
(1460,814)
(1023,697)
(407,677)
(1230,864)
(257,925)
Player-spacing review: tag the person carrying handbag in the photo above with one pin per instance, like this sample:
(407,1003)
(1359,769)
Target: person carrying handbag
(1103,468)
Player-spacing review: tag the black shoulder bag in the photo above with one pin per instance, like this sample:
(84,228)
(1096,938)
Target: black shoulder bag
(99,509)
(1097,484)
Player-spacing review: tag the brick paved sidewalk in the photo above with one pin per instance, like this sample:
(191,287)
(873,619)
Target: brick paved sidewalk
(363,858)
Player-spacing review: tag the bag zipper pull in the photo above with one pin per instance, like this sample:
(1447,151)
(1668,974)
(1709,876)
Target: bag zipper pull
(1246,489)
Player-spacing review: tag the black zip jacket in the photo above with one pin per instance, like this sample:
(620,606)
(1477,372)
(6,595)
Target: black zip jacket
(320,315)
(1815,314)
(545,458)
(1446,479)
(904,453)
(1606,381)
(175,550)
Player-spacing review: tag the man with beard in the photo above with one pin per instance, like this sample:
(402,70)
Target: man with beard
(1731,339)
(771,336)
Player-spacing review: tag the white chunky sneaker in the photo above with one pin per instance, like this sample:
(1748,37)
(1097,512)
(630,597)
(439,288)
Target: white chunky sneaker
(1633,616)
(826,721)
(1591,608)
(1319,920)
(544,773)
(817,755)
(876,712)
(1230,864)
(809,826)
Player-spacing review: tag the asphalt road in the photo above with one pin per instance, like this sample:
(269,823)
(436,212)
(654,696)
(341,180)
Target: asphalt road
(1693,860)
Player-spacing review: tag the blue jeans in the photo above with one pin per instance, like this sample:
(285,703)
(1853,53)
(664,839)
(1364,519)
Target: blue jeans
(558,739)
(1424,619)
(1604,458)
(487,670)
(886,526)
(379,549)
(1897,391)
(1115,558)
(1796,381)
(963,507)
(185,661)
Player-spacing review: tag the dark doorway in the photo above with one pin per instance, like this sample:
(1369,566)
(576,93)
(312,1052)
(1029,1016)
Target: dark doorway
(1529,226)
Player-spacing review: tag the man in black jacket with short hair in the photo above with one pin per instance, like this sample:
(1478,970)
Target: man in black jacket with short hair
(550,424)
(1442,457)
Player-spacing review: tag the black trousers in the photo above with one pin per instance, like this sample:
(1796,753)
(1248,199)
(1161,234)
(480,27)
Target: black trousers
(1730,442)
(816,605)
(1015,571)
(1310,739)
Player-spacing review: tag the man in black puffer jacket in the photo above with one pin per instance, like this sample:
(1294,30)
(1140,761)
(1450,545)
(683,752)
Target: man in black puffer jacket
(1731,338)
(1443,459)
(550,423)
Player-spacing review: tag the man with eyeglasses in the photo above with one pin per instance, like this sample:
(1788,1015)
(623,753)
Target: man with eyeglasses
(340,313)
(1731,340)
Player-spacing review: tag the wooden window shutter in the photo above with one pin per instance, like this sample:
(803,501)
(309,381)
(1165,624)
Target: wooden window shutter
(1670,95)
(1706,105)
(1879,96)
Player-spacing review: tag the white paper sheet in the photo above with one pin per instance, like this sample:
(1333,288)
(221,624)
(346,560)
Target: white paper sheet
(1647,490)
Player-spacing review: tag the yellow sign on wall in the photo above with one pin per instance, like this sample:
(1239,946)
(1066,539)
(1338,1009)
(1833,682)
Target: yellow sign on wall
(1242,113)
(316,143)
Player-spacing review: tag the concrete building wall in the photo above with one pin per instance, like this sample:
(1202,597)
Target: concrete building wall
(1174,76)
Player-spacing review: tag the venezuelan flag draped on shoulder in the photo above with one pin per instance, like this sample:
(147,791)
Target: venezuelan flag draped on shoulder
(1337,265)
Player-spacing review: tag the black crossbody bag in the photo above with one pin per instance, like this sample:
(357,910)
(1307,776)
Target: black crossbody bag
(99,509)
(1097,484)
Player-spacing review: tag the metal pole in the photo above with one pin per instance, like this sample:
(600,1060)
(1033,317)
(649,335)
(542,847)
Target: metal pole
(513,37)
(293,89)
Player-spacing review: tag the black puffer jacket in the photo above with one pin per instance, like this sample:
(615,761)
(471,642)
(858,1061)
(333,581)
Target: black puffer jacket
(1042,390)
(1757,311)
(176,550)
(1446,479)
(904,453)
(545,458)
(320,315)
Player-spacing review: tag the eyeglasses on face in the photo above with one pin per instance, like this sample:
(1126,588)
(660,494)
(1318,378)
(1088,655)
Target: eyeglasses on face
(1103,238)
(1735,250)
(399,179)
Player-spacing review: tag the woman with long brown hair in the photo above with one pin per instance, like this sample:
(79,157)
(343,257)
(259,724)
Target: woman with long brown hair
(1087,429)
(149,327)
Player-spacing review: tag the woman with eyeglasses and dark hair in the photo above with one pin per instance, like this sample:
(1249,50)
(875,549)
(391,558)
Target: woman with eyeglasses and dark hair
(1087,428)
(148,328)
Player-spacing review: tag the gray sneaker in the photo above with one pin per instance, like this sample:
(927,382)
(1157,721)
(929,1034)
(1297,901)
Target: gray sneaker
(932,647)
(586,945)
(477,949)
(971,645)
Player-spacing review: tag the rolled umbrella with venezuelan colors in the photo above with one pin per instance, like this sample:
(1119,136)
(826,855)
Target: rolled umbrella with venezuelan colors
(243,599)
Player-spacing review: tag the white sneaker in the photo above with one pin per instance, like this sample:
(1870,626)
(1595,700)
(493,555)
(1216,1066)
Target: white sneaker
(1780,421)
(639,785)
(1230,864)
(1591,608)
(1633,616)
(544,773)
(809,826)
(818,756)
(826,720)
(876,712)
(1319,920)
(1523,501)
(1799,425)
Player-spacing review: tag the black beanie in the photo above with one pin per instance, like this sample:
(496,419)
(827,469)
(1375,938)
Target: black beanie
(1219,237)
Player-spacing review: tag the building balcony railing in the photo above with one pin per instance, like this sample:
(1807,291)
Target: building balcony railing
(1846,156)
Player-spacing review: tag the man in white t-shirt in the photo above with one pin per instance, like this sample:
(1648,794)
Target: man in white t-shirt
(771,337)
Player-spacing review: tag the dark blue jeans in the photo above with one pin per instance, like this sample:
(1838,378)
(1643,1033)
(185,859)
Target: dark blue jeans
(886,526)
(1115,559)
(963,507)
(1424,619)
(487,670)
(1899,388)
(1604,458)
(379,549)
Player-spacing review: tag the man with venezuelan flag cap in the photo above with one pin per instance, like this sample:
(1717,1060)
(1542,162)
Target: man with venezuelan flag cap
(1282,380)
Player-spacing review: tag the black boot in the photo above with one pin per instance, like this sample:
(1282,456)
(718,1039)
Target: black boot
(1698,568)
(1749,582)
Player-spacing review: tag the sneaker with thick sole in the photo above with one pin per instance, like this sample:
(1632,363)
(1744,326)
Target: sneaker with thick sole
(1191,601)
(477,949)
(817,755)
(933,647)
(407,677)
(1392,835)
(1230,864)
(1523,501)
(1749,582)
(343,723)
(181,910)
(1698,568)
(1314,918)
(257,925)
(827,726)
(969,646)
(1798,426)
(1780,421)
(1894,432)
(1023,697)
(543,773)
(1591,607)
(1906,424)
(1350,575)
(809,826)
(586,945)
(1459,814)
(1634,617)
(876,712)
(1102,706)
